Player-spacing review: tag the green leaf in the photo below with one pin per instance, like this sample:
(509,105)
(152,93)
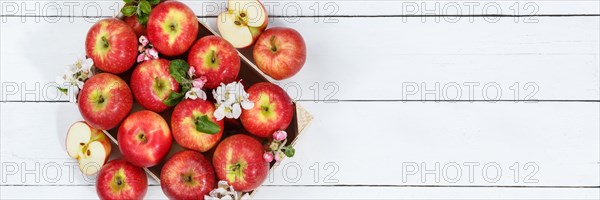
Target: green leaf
(203,124)
(128,10)
(142,19)
(145,6)
(178,69)
(186,87)
(63,90)
(154,2)
(173,99)
(127,1)
(289,151)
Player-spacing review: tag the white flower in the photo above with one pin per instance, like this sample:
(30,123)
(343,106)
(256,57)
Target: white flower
(225,191)
(75,74)
(195,93)
(231,98)
(219,112)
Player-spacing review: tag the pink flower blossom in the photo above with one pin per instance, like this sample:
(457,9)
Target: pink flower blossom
(144,41)
(199,82)
(279,135)
(191,72)
(152,53)
(268,156)
(141,58)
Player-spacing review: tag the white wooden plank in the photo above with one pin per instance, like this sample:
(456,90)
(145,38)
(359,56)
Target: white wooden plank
(555,59)
(273,192)
(290,9)
(556,144)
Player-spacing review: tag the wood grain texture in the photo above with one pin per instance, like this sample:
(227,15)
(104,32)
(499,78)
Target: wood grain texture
(555,59)
(374,144)
(363,148)
(324,9)
(274,192)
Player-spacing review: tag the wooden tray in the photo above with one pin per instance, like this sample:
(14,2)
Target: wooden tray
(250,74)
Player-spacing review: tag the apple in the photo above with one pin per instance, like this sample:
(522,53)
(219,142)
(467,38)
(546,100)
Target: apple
(151,83)
(172,28)
(183,122)
(112,45)
(238,160)
(104,101)
(133,22)
(187,175)
(216,59)
(243,22)
(144,138)
(280,52)
(273,110)
(89,146)
(119,179)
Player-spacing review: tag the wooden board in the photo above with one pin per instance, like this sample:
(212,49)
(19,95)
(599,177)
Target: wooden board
(555,59)
(554,144)
(360,52)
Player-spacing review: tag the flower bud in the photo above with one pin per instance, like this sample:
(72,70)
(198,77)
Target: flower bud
(279,135)
(268,156)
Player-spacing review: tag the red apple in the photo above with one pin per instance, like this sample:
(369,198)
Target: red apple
(239,160)
(112,45)
(151,84)
(183,121)
(133,22)
(105,101)
(215,58)
(119,179)
(273,110)
(187,175)
(172,28)
(280,52)
(144,138)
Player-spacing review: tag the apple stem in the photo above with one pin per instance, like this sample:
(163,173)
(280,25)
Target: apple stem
(105,42)
(273,46)
(100,99)
(213,56)
(142,137)
(119,181)
(235,167)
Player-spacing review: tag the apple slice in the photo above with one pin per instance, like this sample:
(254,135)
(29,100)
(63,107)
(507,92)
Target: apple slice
(89,146)
(243,22)
(251,12)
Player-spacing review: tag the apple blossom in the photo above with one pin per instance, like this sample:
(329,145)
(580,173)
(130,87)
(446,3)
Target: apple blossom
(279,135)
(143,41)
(75,74)
(225,191)
(195,93)
(231,98)
(268,156)
(191,72)
(146,50)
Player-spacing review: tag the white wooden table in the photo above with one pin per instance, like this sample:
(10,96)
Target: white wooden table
(380,79)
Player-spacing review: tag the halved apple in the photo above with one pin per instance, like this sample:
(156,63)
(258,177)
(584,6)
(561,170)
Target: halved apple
(89,146)
(243,22)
